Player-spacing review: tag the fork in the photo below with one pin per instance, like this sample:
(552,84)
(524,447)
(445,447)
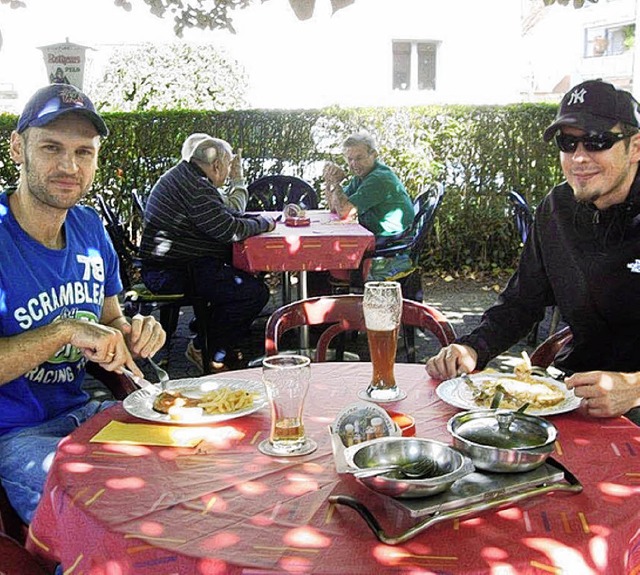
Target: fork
(412,470)
(163,376)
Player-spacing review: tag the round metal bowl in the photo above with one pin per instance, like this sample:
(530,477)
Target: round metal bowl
(501,440)
(448,465)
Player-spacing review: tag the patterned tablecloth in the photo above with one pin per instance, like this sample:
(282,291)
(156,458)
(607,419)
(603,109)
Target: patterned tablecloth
(328,243)
(223,507)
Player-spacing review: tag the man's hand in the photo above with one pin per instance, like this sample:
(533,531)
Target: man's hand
(102,344)
(235,168)
(144,336)
(606,393)
(451,361)
(333,174)
(271,222)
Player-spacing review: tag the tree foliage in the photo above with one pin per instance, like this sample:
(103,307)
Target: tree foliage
(217,14)
(576,3)
(170,77)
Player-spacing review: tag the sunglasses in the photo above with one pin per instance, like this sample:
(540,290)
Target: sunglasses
(591,142)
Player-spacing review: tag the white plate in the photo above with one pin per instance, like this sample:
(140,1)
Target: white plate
(457,393)
(140,402)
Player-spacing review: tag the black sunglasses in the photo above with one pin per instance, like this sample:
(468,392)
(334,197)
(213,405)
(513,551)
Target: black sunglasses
(591,142)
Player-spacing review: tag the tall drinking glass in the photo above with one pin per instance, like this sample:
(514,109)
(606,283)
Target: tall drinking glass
(286,379)
(382,306)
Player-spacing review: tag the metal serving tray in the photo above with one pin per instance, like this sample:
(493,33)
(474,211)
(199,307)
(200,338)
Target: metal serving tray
(469,495)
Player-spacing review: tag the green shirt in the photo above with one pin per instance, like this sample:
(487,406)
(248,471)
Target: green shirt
(384,206)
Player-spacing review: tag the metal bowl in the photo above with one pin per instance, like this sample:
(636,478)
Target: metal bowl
(448,465)
(501,440)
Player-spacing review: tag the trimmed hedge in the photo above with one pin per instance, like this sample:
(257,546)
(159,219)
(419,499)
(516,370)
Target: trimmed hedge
(480,152)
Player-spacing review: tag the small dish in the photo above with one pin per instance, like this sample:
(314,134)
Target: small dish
(448,465)
(406,423)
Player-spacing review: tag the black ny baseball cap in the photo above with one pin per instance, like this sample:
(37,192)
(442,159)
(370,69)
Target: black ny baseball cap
(52,101)
(595,106)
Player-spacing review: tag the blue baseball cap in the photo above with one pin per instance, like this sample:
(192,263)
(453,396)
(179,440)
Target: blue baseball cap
(52,101)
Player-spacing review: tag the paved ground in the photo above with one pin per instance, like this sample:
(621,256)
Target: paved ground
(462,301)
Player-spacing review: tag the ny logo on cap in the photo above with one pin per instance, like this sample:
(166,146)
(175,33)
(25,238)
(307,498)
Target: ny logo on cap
(71,96)
(577,97)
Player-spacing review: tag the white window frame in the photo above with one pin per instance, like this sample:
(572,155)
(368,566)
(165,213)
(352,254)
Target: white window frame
(413,84)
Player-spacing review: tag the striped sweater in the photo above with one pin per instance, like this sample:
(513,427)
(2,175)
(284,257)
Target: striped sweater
(186,218)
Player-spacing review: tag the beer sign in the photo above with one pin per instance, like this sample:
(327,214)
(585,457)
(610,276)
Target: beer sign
(65,63)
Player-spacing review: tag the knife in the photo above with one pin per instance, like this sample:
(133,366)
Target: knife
(141,382)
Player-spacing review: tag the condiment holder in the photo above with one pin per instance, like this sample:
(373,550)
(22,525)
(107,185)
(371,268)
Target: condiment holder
(295,216)
(363,421)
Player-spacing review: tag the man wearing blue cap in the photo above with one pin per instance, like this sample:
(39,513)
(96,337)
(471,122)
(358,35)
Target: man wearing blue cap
(59,282)
(583,255)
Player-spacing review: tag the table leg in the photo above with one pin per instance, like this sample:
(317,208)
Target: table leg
(304,294)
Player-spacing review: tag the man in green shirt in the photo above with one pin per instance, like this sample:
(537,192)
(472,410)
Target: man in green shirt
(375,196)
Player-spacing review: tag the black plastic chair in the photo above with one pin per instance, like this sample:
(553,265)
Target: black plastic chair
(522,214)
(412,241)
(273,193)
(138,204)
(138,298)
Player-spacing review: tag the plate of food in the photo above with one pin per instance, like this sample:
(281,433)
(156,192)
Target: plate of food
(545,395)
(197,401)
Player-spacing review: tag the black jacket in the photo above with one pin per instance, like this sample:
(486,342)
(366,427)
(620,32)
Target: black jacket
(585,261)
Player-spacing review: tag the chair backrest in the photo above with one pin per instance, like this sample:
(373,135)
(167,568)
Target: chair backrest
(426,206)
(547,351)
(273,193)
(10,522)
(15,559)
(344,313)
(126,250)
(522,214)
(138,204)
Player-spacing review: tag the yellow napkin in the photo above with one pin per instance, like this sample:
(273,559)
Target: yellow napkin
(149,434)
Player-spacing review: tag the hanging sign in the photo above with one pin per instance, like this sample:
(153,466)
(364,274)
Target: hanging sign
(65,63)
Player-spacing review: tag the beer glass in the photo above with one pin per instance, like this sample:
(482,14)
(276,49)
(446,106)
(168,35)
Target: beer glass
(286,379)
(382,306)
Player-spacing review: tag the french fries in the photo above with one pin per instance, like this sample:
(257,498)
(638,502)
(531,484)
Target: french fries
(226,400)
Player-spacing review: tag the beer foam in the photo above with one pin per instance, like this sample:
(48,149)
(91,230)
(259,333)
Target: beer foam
(380,320)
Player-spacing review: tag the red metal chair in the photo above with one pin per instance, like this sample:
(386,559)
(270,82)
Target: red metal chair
(15,559)
(546,352)
(344,313)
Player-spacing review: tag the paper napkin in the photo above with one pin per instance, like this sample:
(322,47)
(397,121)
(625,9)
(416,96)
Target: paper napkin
(149,434)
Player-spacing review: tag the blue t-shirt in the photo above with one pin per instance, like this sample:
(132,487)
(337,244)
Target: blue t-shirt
(38,286)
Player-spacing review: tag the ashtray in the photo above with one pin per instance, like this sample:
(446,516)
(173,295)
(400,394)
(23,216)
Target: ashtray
(297,221)
(406,423)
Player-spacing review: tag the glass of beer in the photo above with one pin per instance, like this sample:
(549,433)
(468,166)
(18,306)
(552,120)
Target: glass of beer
(286,379)
(382,306)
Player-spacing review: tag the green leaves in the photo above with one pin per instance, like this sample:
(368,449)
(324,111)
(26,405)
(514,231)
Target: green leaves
(479,152)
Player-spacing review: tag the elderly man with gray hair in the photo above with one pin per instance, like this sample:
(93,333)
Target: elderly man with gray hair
(190,223)
(375,195)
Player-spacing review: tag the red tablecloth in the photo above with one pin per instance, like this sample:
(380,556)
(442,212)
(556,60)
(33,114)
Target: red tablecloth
(327,244)
(225,508)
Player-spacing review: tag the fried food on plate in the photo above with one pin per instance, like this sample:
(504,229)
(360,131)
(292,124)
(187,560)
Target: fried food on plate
(517,391)
(218,401)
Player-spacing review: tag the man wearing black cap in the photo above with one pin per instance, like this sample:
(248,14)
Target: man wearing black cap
(582,254)
(59,282)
